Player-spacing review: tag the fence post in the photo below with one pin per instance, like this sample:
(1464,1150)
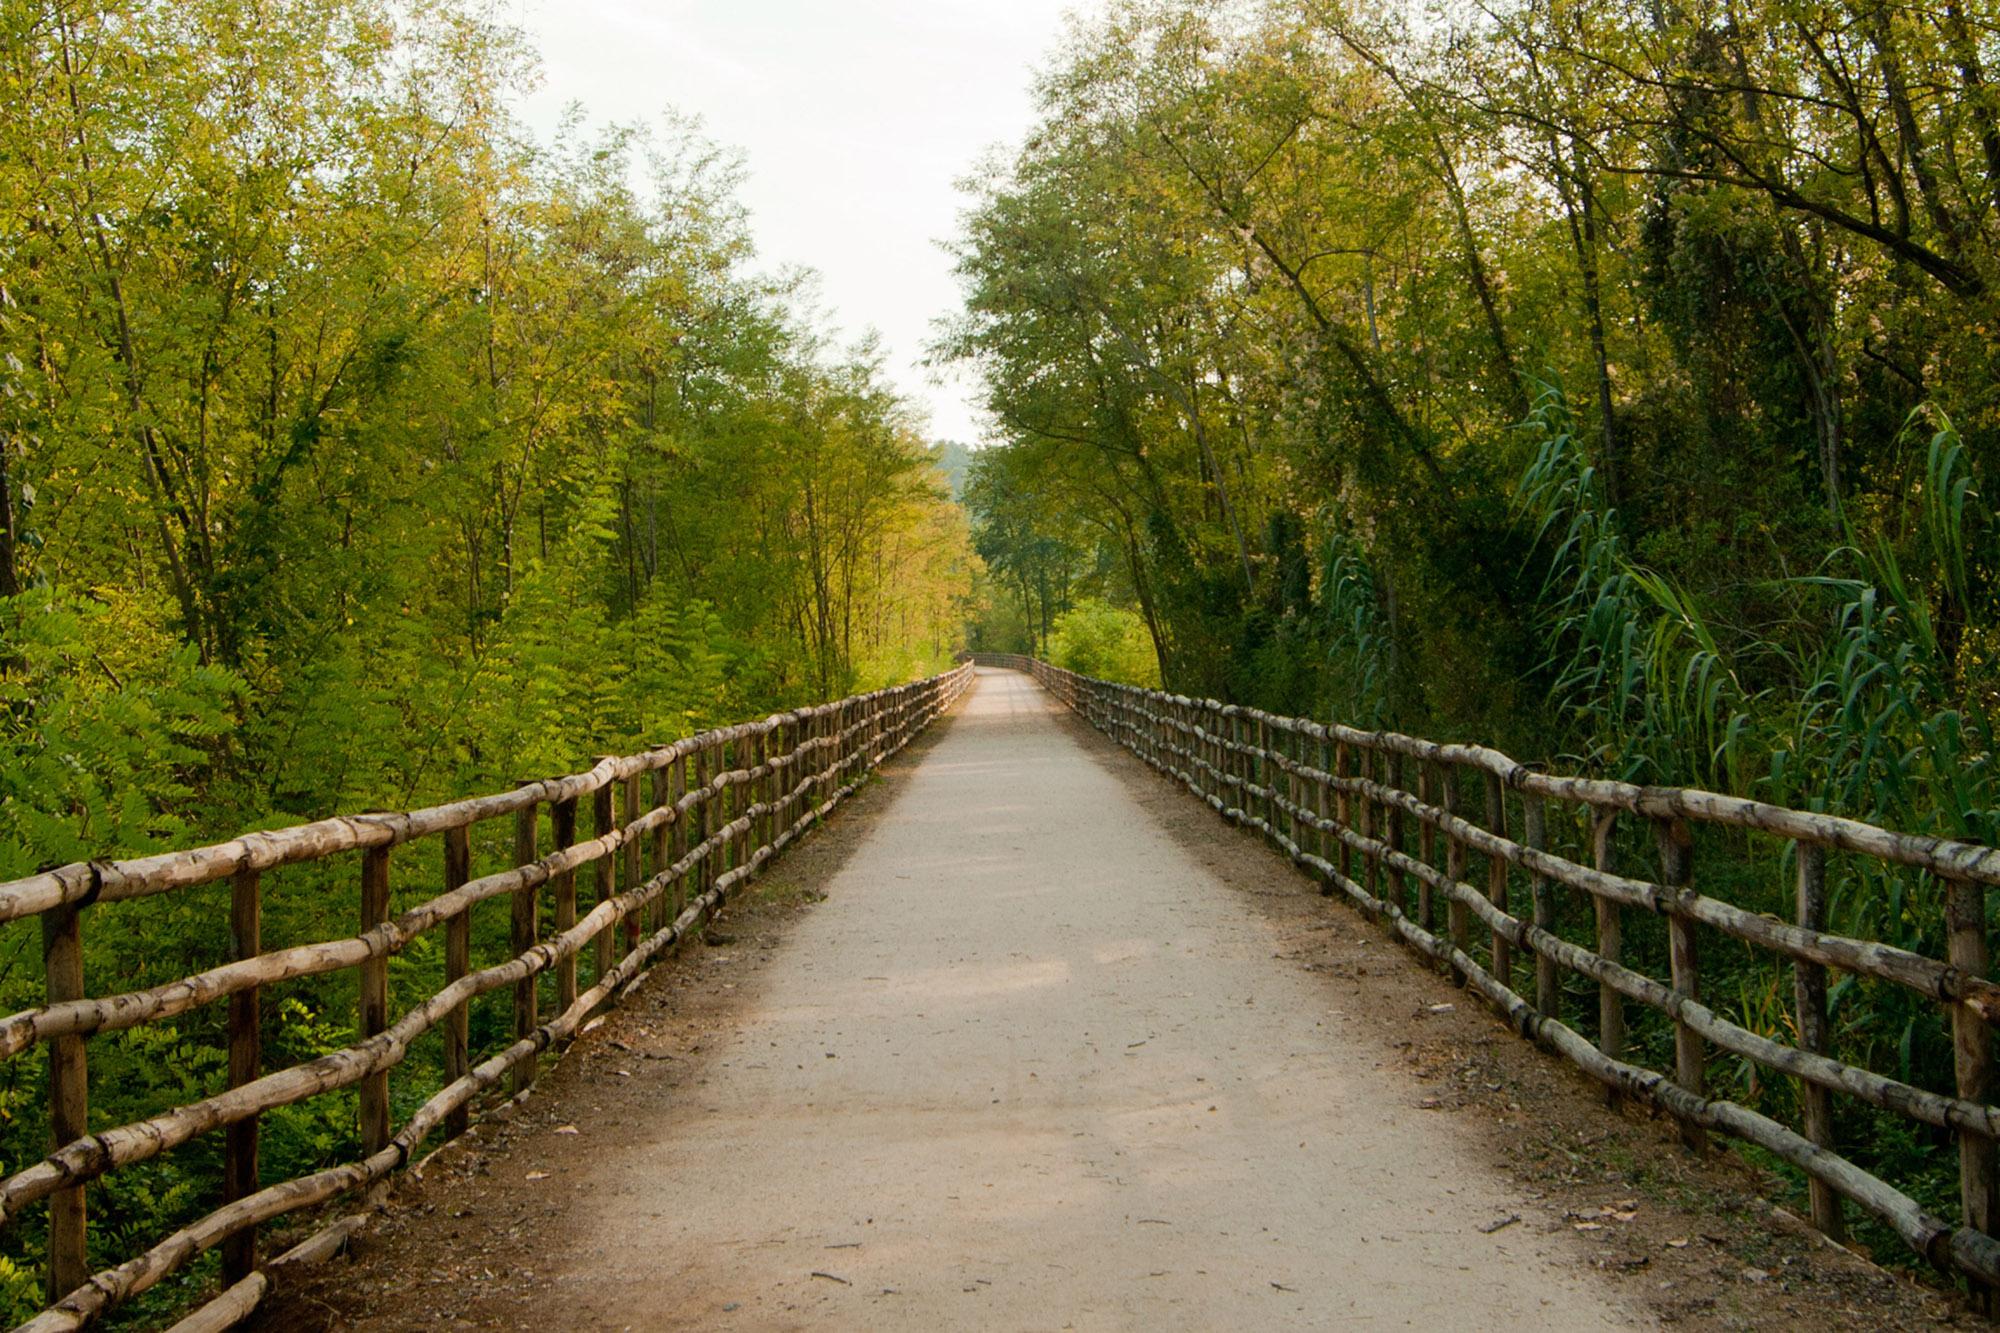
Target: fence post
(1684,957)
(844,743)
(1240,758)
(1300,791)
(562,832)
(731,763)
(1225,744)
(671,897)
(812,726)
(1260,739)
(1197,745)
(1457,914)
(374,998)
(246,1057)
(1972,1058)
(1610,947)
(767,786)
(1212,743)
(1371,859)
(1257,770)
(457,962)
(521,938)
(1548,977)
(1321,804)
(1200,749)
(662,857)
(69,1099)
(1233,763)
(773,751)
(739,792)
(1496,879)
(1343,806)
(753,790)
(798,768)
(795,769)
(1245,737)
(1213,749)
(1393,777)
(1294,826)
(1304,830)
(1809,991)
(1225,761)
(603,820)
(1212,739)
(1426,847)
(704,828)
(631,851)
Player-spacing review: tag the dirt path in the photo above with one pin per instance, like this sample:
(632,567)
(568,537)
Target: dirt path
(1042,1060)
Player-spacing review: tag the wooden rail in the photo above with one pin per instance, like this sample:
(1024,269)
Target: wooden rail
(1276,774)
(722,804)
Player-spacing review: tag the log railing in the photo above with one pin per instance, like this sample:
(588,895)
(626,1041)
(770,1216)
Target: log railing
(1341,803)
(713,810)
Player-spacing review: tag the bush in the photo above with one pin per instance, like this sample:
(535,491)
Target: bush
(1098,639)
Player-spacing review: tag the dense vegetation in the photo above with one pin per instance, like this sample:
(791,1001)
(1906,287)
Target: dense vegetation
(1614,383)
(355,452)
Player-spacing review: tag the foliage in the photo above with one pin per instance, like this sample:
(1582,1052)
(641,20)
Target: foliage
(1637,672)
(1095,638)
(105,716)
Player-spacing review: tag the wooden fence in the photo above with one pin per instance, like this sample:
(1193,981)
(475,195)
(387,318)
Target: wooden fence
(720,805)
(1340,802)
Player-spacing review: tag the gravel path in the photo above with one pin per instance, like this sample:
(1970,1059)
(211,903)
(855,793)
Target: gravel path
(1030,1066)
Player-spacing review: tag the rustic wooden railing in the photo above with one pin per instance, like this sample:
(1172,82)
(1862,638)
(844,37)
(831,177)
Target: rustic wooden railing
(721,804)
(1339,802)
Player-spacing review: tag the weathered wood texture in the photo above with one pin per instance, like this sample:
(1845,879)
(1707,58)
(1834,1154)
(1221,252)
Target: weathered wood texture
(706,837)
(1276,774)
(246,1059)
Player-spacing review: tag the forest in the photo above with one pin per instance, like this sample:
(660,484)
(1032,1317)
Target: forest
(358,451)
(1613,384)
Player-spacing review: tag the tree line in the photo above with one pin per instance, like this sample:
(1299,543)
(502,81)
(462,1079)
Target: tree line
(1612,383)
(356,449)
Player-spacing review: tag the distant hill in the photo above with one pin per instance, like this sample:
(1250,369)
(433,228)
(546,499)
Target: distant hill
(952,460)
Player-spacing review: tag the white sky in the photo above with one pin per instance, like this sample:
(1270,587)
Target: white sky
(855,118)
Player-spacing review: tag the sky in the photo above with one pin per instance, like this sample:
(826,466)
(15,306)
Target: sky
(856,118)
